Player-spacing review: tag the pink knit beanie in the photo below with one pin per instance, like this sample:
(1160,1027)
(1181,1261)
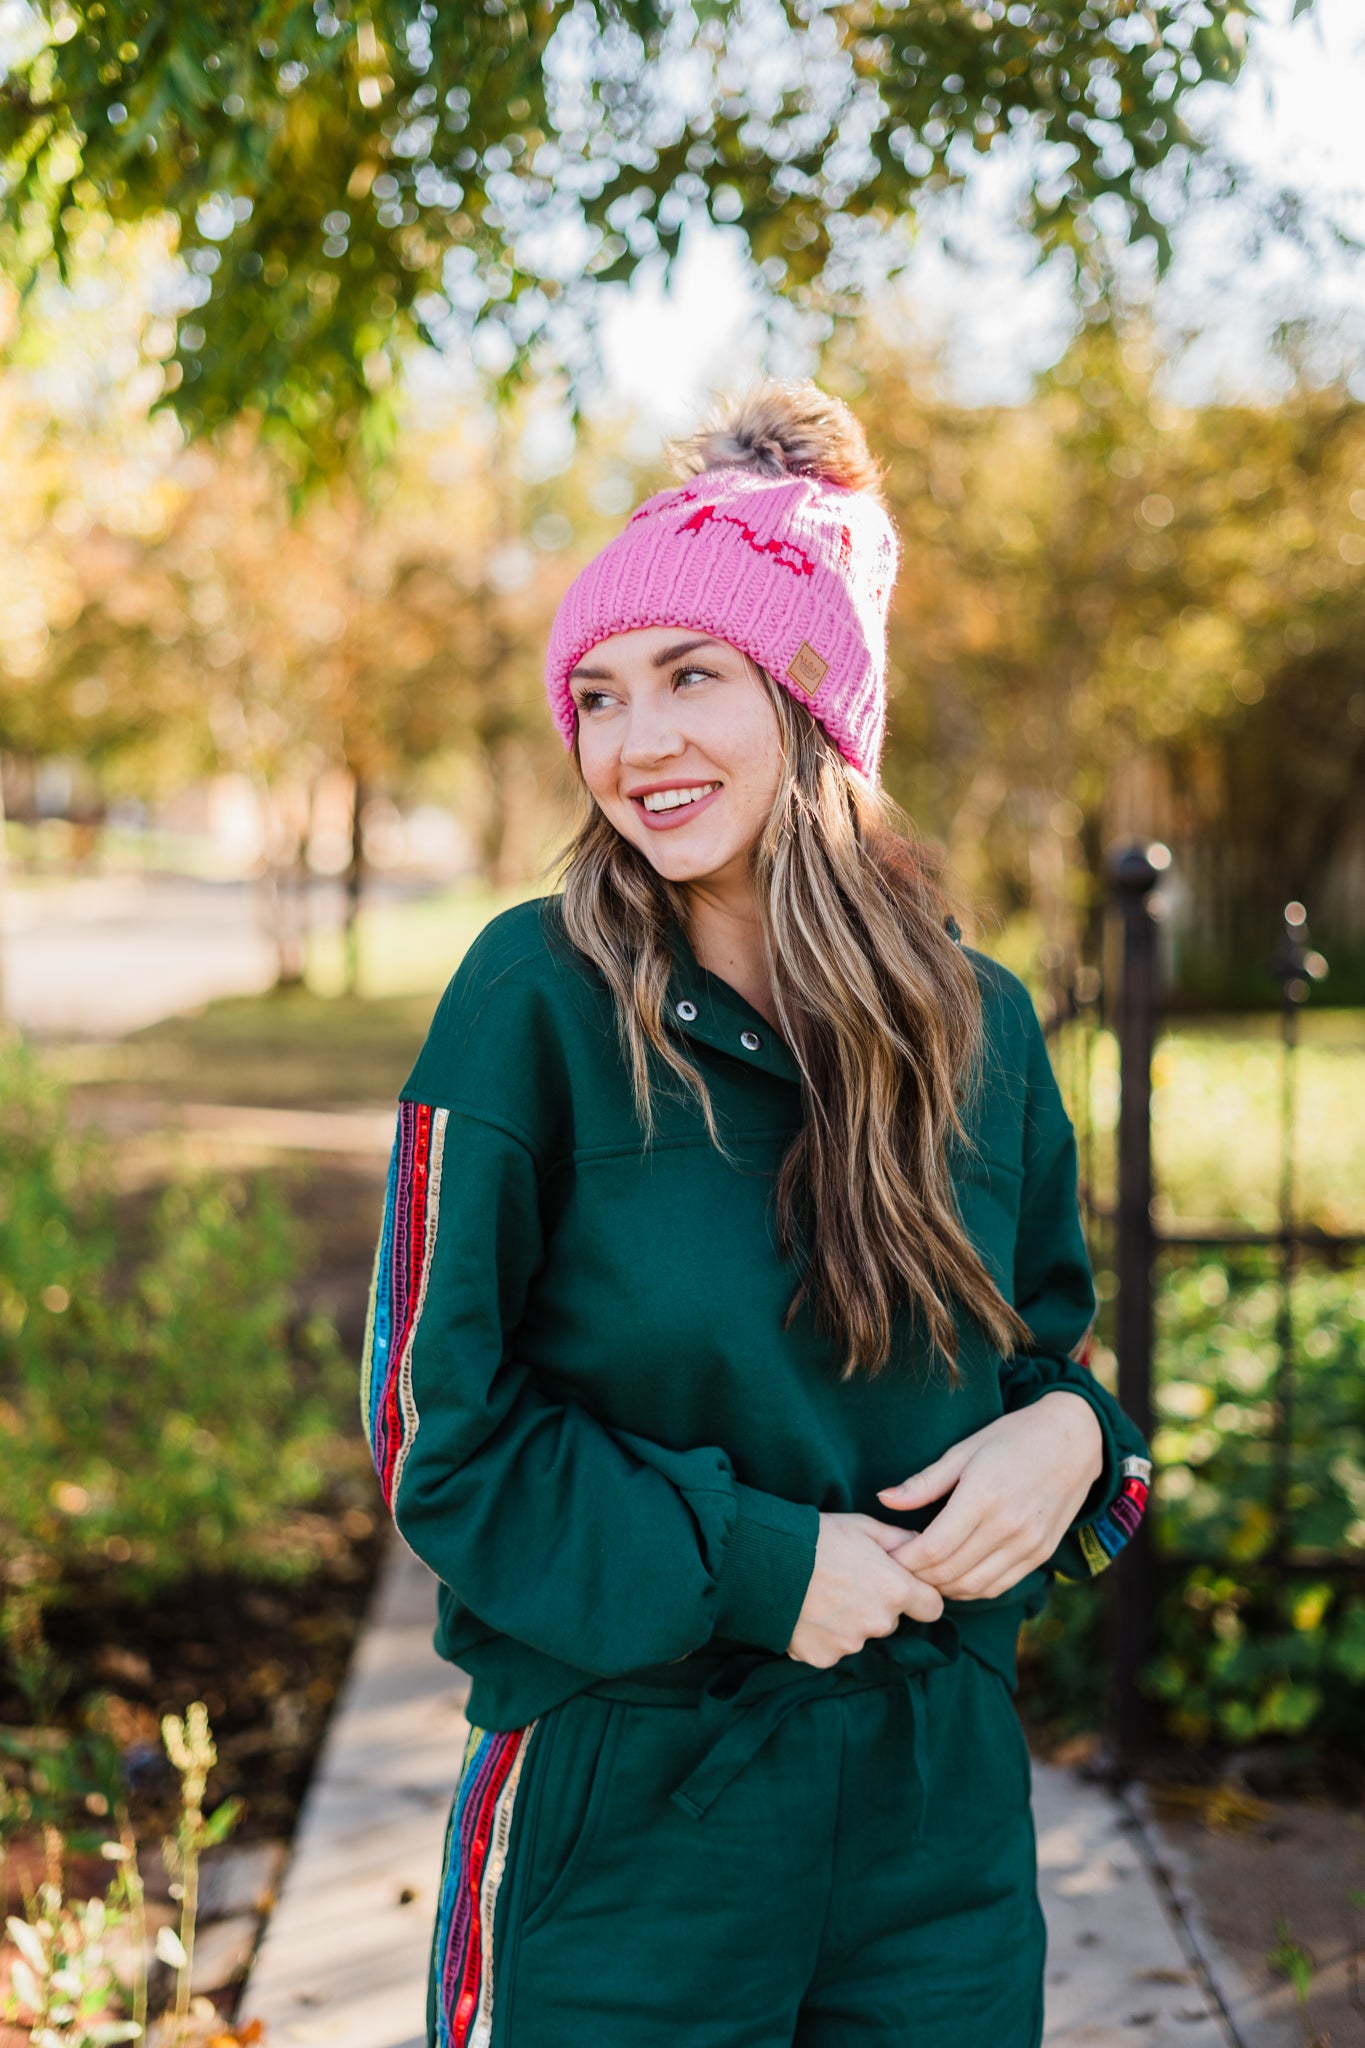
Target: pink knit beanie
(780,544)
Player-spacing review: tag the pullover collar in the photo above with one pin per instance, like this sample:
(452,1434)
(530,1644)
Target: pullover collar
(702,1006)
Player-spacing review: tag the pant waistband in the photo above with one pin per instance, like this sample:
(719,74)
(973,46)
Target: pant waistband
(745,1700)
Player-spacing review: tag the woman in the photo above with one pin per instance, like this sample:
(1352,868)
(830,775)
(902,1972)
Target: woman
(723,1353)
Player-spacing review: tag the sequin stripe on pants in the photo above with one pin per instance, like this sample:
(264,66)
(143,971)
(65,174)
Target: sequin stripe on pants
(461,2008)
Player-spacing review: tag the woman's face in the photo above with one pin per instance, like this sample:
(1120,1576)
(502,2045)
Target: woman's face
(679,744)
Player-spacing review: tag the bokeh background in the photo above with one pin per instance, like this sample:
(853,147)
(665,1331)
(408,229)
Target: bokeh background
(335,340)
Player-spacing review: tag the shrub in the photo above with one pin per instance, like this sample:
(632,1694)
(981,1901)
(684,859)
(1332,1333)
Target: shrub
(1243,1650)
(1219,1338)
(165,1409)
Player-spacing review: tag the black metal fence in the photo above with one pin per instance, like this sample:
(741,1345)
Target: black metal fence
(1126,998)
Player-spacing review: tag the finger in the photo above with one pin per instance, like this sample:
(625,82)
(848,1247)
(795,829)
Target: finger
(1010,1561)
(978,1583)
(931,1483)
(996,1541)
(967,1508)
(921,1601)
(888,1534)
(959,1538)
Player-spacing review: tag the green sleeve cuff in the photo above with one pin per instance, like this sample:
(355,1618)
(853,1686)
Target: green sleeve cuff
(766,1569)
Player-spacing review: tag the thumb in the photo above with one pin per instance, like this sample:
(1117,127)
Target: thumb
(931,1483)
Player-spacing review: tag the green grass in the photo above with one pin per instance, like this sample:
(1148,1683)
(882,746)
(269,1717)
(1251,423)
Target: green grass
(412,947)
(305,1047)
(288,1050)
(1216,1131)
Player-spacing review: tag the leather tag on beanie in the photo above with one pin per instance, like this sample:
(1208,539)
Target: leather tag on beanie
(806,669)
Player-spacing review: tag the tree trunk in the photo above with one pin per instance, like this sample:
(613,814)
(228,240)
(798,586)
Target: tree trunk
(355,884)
(285,891)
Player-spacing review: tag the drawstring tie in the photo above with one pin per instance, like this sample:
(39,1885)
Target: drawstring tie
(745,1718)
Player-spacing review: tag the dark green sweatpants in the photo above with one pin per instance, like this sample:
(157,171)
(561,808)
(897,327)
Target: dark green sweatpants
(845,1860)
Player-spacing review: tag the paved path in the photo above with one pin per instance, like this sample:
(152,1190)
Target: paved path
(344,1958)
(343,1962)
(95,956)
(1121,1969)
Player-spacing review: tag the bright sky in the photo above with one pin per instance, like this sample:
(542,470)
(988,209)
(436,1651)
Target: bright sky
(1294,115)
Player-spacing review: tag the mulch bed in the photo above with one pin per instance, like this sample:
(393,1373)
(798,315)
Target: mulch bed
(267,1661)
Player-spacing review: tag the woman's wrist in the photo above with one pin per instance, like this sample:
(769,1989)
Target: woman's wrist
(1077,1416)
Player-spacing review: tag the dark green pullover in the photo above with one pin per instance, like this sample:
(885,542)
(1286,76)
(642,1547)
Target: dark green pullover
(582,1404)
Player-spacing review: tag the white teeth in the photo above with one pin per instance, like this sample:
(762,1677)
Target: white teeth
(671,799)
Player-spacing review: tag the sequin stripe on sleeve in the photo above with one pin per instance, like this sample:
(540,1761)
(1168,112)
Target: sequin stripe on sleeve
(475,1857)
(375,1348)
(390,1287)
(398,1288)
(1103,1538)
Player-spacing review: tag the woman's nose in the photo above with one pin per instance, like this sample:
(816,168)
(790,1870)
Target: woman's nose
(650,738)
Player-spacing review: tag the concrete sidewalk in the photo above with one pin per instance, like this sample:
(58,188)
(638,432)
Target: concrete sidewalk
(343,1961)
(93,956)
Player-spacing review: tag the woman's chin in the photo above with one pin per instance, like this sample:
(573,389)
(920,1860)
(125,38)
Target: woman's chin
(677,862)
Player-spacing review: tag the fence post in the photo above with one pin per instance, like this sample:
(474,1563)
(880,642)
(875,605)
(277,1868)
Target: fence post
(1133,874)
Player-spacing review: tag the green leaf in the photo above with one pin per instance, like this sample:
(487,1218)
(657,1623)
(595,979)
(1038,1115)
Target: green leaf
(220,1823)
(291,142)
(1290,1959)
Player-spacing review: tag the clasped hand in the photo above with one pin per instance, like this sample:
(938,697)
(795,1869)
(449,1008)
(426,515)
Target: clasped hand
(1016,1486)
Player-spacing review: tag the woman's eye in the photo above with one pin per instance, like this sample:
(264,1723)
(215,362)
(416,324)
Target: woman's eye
(588,700)
(681,675)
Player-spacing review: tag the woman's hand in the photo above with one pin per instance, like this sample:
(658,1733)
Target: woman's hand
(1016,1487)
(856,1591)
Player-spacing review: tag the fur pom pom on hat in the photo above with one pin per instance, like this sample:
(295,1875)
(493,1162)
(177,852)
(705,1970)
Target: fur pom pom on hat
(779,542)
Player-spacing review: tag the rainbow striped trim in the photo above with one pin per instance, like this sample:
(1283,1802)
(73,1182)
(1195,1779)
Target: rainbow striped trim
(398,1289)
(475,1858)
(1103,1538)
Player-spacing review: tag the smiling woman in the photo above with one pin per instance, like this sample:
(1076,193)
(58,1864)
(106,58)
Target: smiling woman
(730,1189)
(679,733)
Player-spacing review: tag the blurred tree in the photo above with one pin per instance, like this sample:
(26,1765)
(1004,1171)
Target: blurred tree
(341,179)
(366,632)
(1112,614)
(1099,580)
(278,647)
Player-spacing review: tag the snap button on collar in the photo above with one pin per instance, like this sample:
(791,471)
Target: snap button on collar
(687,1011)
(750,1040)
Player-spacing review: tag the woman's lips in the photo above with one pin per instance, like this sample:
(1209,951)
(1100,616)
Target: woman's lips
(665,821)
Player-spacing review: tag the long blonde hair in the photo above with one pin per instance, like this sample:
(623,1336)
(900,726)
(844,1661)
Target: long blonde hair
(877,1002)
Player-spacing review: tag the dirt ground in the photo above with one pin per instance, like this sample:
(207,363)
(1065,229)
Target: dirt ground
(1275,1887)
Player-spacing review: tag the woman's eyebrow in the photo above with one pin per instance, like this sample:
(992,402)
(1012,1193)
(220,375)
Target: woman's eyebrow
(667,654)
(660,660)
